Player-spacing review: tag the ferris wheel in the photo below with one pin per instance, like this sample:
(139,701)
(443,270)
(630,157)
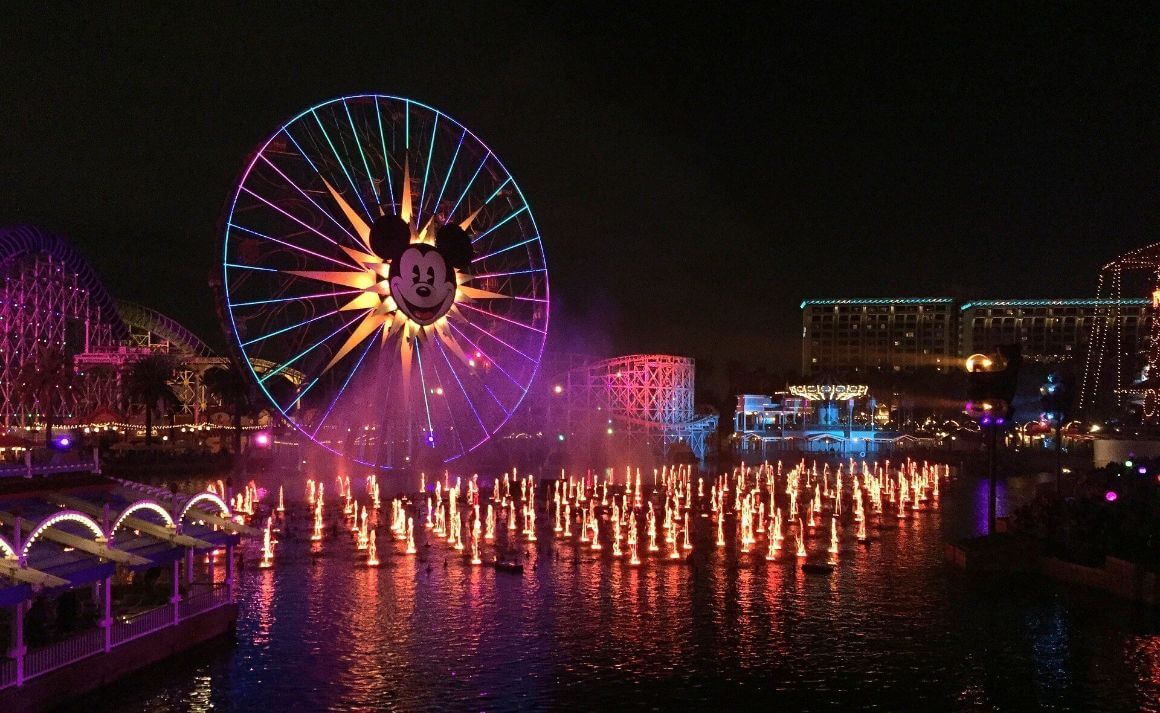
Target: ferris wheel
(384,280)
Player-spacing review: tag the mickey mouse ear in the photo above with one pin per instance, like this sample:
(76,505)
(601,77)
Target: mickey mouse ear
(454,245)
(390,236)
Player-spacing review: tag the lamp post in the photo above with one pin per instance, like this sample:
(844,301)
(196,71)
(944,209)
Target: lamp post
(991,381)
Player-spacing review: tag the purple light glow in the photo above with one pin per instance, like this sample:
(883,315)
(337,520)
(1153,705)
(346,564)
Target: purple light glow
(1111,496)
(262,439)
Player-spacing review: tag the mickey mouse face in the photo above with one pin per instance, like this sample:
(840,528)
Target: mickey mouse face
(422,277)
(422,284)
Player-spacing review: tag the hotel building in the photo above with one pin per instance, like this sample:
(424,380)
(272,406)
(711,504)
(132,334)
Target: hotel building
(903,334)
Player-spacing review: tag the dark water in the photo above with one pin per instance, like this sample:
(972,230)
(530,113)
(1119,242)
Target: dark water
(893,628)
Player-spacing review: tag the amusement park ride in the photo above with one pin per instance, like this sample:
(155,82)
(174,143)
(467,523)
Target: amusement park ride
(1115,376)
(383,283)
(377,246)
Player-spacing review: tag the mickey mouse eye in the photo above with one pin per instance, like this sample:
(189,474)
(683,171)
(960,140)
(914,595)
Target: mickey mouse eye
(415,273)
(430,276)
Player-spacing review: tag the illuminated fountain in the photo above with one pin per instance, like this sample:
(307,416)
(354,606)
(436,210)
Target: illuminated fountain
(594,523)
(688,545)
(410,536)
(372,551)
(267,545)
(455,534)
(833,536)
(316,536)
(475,528)
(633,557)
(801,539)
(281,501)
(362,540)
(616,551)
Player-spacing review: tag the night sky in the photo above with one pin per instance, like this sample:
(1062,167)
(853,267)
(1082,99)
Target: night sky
(694,174)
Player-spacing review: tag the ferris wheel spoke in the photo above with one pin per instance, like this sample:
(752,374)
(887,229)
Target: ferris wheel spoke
(341,164)
(386,154)
(423,385)
(358,143)
(303,392)
(291,327)
(467,188)
(490,334)
(450,169)
(311,348)
(301,151)
(320,295)
(485,355)
(485,275)
(342,389)
(462,390)
(532,239)
(236,266)
(506,413)
(310,199)
(499,188)
(292,246)
(444,395)
(500,224)
(427,170)
(292,217)
(500,317)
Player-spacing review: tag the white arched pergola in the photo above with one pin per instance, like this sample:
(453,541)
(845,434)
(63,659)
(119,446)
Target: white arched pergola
(59,517)
(7,551)
(204,497)
(150,505)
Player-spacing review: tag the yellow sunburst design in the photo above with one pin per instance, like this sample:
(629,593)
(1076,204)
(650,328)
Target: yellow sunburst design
(371,276)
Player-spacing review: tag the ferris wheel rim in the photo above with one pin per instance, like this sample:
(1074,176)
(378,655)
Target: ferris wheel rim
(230,305)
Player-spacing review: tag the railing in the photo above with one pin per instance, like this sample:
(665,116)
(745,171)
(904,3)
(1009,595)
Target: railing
(142,624)
(203,601)
(62,653)
(7,672)
(22,470)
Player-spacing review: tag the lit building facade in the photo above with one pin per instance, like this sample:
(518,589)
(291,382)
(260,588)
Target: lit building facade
(850,336)
(887,334)
(1048,330)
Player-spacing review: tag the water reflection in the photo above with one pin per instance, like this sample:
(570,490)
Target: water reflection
(891,628)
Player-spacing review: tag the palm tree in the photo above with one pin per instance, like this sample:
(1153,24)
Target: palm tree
(43,381)
(233,388)
(147,382)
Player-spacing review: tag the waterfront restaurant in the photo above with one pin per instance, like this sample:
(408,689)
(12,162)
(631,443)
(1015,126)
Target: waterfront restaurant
(101,577)
(813,418)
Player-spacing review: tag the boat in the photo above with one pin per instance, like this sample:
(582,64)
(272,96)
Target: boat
(817,568)
(512,567)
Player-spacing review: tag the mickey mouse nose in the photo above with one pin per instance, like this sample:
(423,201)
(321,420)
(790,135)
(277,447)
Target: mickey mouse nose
(423,291)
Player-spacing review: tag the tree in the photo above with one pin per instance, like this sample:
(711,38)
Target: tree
(147,382)
(43,382)
(233,388)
